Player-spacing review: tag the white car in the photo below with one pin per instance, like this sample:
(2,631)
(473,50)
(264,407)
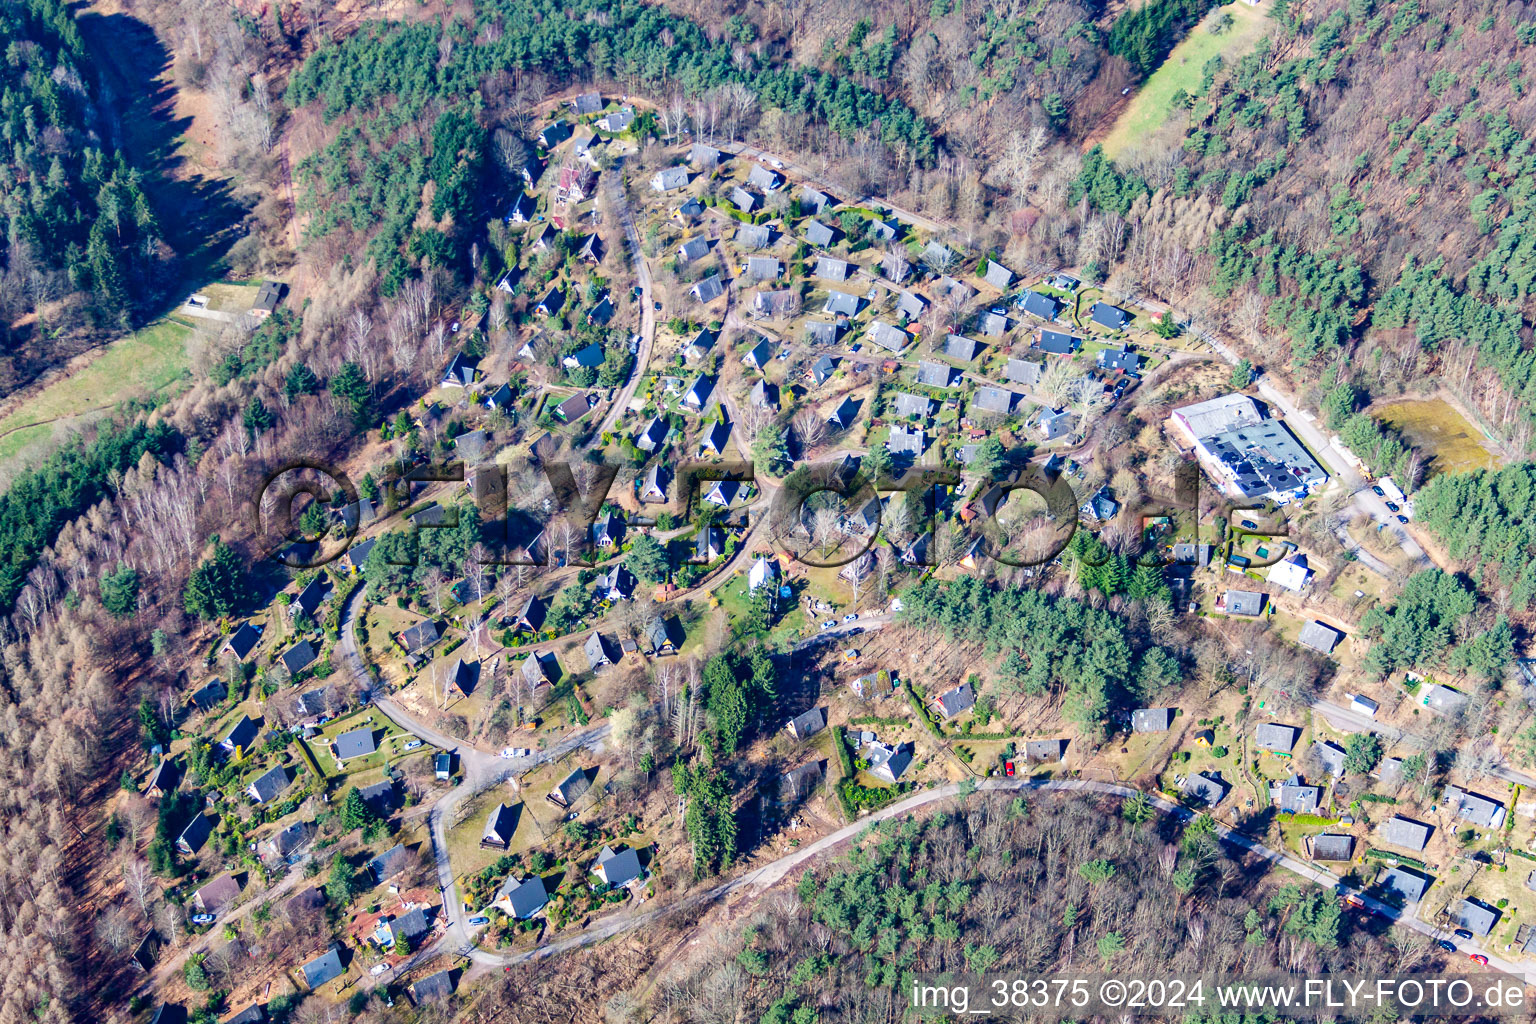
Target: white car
(829,624)
(778,164)
(412,744)
(851,617)
(378,969)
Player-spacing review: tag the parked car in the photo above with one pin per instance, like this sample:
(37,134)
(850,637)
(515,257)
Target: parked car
(412,744)
(829,624)
(1462,933)
(1008,768)
(1249,524)
(378,969)
(478,921)
(1447,945)
(851,617)
(1478,958)
(1403,520)
(1392,506)
(202,919)
(1379,492)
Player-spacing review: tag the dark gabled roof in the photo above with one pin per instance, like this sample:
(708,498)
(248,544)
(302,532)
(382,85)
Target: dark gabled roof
(1208,790)
(243,640)
(818,233)
(536,668)
(822,367)
(388,864)
(461,370)
(716,437)
(1022,371)
(1333,847)
(952,702)
(533,612)
(619,868)
(596,650)
(196,833)
(993,400)
(572,786)
(298,657)
(698,394)
(960,348)
(1410,885)
(1109,316)
(845,412)
(759,354)
(841,303)
(380,796)
(552,302)
(1045,750)
(1407,833)
(499,825)
(1058,343)
(421,636)
(709,289)
(1475,916)
(323,968)
(1036,304)
(217,894)
(356,743)
(808,724)
(1152,719)
(933,375)
(433,987)
(310,597)
(574,408)
(908,404)
(1297,798)
(527,897)
(210,695)
(269,784)
(252,1014)
(587,355)
(240,734)
(166,776)
(285,840)
(409,926)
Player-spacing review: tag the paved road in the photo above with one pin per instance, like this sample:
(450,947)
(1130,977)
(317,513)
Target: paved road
(1347,719)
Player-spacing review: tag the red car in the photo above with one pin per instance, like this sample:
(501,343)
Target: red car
(1478,958)
(1008,768)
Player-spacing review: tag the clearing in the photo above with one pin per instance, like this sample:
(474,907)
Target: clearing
(1434,426)
(1150,108)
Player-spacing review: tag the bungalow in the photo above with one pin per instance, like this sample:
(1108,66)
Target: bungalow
(888,763)
(355,743)
(708,290)
(759,355)
(993,325)
(1330,756)
(763,268)
(242,641)
(814,200)
(411,927)
(617,869)
(1276,738)
(597,651)
(240,735)
(1404,884)
(1056,343)
(437,986)
(697,396)
(1121,360)
(937,257)
(715,438)
(1112,317)
(819,235)
(1474,808)
(570,788)
(775,304)
(1333,847)
(522,898)
(764,179)
(1152,719)
(951,702)
(910,305)
(1295,797)
(522,209)
(1055,423)
(388,864)
(551,303)
(1443,699)
(195,834)
(379,797)
(844,415)
(1039,305)
(934,375)
(960,348)
(574,408)
(587,103)
(217,894)
(555,134)
(1319,637)
(323,968)
(753,236)
(841,304)
(829,269)
(695,248)
(1064,282)
(817,333)
(1292,573)
(269,785)
(704,157)
(910,405)
(298,657)
(1205,789)
(995,401)
(795,785)
(1406,832)
(998,276)
(669,179)
(743,200)
(806,725)
(655,486)
(1243,602)
(892,339)
(904,441)
(1475,916)
(499,826)
(1022,371)
(688,209)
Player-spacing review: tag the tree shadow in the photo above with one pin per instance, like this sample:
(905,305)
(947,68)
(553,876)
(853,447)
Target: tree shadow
(199,215)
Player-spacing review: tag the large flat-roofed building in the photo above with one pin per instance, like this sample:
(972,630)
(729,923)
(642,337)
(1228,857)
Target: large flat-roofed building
(1249,455)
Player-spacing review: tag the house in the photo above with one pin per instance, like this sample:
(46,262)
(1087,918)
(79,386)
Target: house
(596,650)
(913,406)
(669,179)
(916,553)
(522,209)
(462,676)
(814,200)
(655,486)
(240,736)
(1040,305)
(688,209)
(570,788)
(540,669)
(758,355)
(659,636)
(551,303)
(217,894)
(388,864)
(522,898)
(1024,372)
(1475,916)
(818,333)
(810,723)
(763,178)
(703,156)
(410,926)
(723,493)
(574,408)
(1276,738)
(1362,705)
(1064,282)
(616,121)
(269,785)
(298,657)
(829,269)
(801,782)
(438,986)
(821,236)
(1291,573)
(1057,343)
(1475,809)
(846,412)
(252,1014)
(960,348)
(709,544)
(1243,602)
(933,375)
(1100,508)
(268,296)
(607,530)
(753,236)
(697,396)
(1443,699)
(1204,788)
(1112,317)
(1330,846)
(905,441)
(242,641)
(708,290)
(998,276)
(1330,755)
(355,743)
(655,432)
(615,585)
(910,305)
(532,614)
(937,258)
(164,779)
(764,572)
(309,598)
(499,826)
(380,796)
(841,304)
(763,268)
(743,200)
(1319,637)
(994,401)
(993,325)
(951,702)
(1407,833)
(442,765)
(888,763)
(1121,360)
(195,834)
(1055,423)
(775,304)
(1294,797)
(601,313)
(1152,719)
(587,103)
(715,439)
(421,637)
(821,369)
(617,869)
(323,968)
(1404,884)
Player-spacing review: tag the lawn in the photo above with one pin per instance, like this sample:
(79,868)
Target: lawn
(1151,106)
(466,854)
(228,297)
(145,363)
(1433,425)
(391,743)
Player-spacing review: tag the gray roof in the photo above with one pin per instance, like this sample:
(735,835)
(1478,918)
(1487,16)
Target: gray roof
(742,199)
(1022,371)
(1407,833)
(752,236)
(269,784)
(841,302)
(433,987)
(998,276)
(888,337)
(380,796)
(1038,304)
(911,305)
(217,894)
(196,833)
(1319,637)
(907,442)
(830,269)
(409,926)
(298,657)
(499,825)
(952,702)
(1244,602)
(1475,916)
(813,199)
(1297,798)
(421,636)
(537,668)
(993,325)
(1152,719)
(573,786)
(596,650)
(908,404)
(1204,788)
(670,178)
(932,374)
(1410,885)
(323,968)
(618,868)
(388,864)
(1120,359)
(845,412)
(937,256)
(654,433)
(1274,736)
(960,348)
(762,177)
(1329,846)
(702,154)
(709,289)
(527,897)
(1443,698)
(694,248)
(759,355)
(310,597)
(1475,808)
(818,233)
(1045,751)
(698,394)
(888,763)
(1330,755)
(993,400)
(808,724)
(762,268)
(356,743)
(252,1014)
(1055,423)
(820,333)
(242,640)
